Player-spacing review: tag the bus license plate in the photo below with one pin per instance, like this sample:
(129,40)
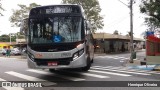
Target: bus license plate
(52,64)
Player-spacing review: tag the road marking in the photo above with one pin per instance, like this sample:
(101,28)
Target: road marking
(88,74)
(110,73)
(113,57)
(121,71)
(121,57)
(111,67)
(127,69)
(7,58)
(56,75)
(30,78)
(107,67)
(11,88)
(95,75)
(2,79)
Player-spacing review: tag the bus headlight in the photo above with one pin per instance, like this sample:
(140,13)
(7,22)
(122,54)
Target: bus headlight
(31,56)
(75,56)
(81,52)
(78,54)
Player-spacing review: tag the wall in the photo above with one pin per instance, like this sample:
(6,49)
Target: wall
(109,46)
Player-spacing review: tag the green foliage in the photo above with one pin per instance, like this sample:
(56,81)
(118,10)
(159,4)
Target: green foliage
(152,9)
(4,38)
(92,10)
(1,9)
(20,14)
(116,32)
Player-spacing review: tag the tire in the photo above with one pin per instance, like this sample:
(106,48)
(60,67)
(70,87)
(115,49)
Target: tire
(92,61)
(86,68)
(52,70)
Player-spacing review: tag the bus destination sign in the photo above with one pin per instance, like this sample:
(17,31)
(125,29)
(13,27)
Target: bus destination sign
(62,9)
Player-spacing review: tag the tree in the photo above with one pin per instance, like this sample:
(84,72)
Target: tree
(92,10)
(116,32)
(1,9)
(4,38)
(129,33)
(19,36)
(20,14)
(152,9)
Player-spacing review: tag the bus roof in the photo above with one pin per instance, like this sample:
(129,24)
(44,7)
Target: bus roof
(58,5)
(68,9)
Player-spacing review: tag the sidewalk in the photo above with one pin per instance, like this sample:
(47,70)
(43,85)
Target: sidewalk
(16,57)
(114,53)
(137,65)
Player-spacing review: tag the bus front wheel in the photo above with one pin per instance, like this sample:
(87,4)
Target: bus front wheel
(86,68)
(52,70)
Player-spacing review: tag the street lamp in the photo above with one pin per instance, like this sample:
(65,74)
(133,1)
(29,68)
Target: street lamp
(10,36)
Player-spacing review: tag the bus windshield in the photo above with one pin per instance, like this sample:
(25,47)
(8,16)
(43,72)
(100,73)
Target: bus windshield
(55,29)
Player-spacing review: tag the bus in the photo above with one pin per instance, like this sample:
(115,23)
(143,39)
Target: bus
(59,37)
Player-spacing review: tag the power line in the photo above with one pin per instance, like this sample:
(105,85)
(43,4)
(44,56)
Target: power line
(117,21)
(123,3)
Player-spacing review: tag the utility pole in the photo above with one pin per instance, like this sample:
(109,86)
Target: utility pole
(131,31)
(131,28)
(10,38)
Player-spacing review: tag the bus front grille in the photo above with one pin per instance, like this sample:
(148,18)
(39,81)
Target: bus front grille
(59,61)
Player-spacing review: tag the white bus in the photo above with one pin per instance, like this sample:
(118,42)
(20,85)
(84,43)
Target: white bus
(59,37)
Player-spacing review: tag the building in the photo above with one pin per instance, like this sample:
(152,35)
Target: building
(20,43)
(5,45)
(107,43)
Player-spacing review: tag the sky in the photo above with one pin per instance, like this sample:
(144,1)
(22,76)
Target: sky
(116,15)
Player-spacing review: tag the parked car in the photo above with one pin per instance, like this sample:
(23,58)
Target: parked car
(3,51)
(15,51)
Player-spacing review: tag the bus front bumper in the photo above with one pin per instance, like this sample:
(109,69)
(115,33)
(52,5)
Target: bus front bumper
(77,63)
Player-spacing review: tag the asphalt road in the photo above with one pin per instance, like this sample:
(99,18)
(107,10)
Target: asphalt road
(107,73)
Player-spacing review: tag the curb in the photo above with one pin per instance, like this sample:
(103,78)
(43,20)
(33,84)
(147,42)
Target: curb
(157,68)
(138,63)
(13,58)
(143,67)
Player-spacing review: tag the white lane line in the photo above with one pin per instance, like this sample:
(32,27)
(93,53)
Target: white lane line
(56,75)
(103,57)
(113,57)
(112,73)
(10,88)
(2,79)
(7,58)
(108,67)
(121,71)
(30,78)
(121,57)
(112,67)
(95,75)
(128,69)
(89,74)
